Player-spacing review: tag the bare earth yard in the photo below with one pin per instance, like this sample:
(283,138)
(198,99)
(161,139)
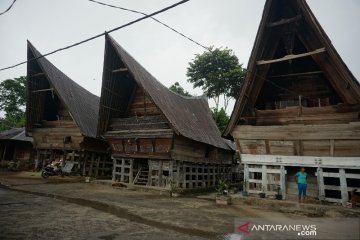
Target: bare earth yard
(61,209)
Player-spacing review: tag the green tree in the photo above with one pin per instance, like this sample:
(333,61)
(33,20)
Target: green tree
(218,73)
(176,87)
(221,118)
(12,102)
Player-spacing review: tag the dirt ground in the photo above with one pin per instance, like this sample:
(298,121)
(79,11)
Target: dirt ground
(34,208)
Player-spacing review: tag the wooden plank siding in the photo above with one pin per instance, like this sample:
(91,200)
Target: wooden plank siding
(303,140)
(142,105)
(52,134)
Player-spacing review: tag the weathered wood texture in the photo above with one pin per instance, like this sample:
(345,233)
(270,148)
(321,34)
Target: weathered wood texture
(300,140)
(52,134)
(162,173)
(141,147)
(142,105)
(306,115)
(187,150)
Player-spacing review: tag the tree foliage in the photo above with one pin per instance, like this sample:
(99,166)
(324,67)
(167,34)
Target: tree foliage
(12,102)
(221,118)
(218,73)
(176,87)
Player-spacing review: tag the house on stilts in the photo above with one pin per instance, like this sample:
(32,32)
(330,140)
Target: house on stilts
(16,147)
(299,106)
(157,137)
(61,117)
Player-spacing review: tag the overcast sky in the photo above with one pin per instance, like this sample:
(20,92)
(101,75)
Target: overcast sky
(51,24)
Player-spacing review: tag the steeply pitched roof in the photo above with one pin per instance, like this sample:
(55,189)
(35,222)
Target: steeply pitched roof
(17,134)
(188,116)
(342,79)
(83,105)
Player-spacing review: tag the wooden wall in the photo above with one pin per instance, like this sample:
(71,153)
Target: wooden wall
(157,148)
(334,140)
(185,149)
(52,133)
(142,105)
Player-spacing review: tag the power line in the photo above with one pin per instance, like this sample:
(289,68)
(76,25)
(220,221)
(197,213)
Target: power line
(8,9)
(156,20)
(99,35)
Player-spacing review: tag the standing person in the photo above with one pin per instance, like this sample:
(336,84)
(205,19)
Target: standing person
(301,178)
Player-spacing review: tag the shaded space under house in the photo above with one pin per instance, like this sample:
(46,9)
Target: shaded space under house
(157,137)
(62,119)
(17,147)
(299,106)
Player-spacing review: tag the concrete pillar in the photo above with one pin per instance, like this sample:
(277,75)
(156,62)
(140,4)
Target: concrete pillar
(320,181)
(246,177)
(264,180)
(343,187)
(283,181)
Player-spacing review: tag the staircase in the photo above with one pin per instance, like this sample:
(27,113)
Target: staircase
(142,177)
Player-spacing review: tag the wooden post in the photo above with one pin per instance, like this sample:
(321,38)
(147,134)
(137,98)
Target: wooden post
(4,155)
(214,175)
(150,173)
(171,173)
(160,173)
(196,176)
(37,160)
(264,181)
(73,156)
(103,164)
(320,180)
(97,166)
(178,173)
(114,170)
(343,187)
(188,173)
(283,181)
(45,153)
(84,166)
(122,170)
(184,174)
(131,171)
(91,163)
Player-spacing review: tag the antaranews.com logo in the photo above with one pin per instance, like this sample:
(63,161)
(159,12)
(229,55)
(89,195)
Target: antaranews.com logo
(296,227)
(300,229)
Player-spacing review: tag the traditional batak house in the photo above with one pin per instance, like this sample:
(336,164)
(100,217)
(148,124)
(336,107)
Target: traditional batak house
(16,147)
(158,137)
(299,106)
(62,118)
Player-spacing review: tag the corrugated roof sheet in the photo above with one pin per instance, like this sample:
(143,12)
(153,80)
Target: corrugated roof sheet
(83,105)
(17,134)
(189,116)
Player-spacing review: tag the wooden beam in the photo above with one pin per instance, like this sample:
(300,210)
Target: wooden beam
(43,90)
(296,74)
(37,74)
(284,21)
(292,56)
(119,70)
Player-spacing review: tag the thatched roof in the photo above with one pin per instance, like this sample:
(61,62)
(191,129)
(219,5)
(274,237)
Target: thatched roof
(313,37)
(82,105)
(188,116)
(16,134)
